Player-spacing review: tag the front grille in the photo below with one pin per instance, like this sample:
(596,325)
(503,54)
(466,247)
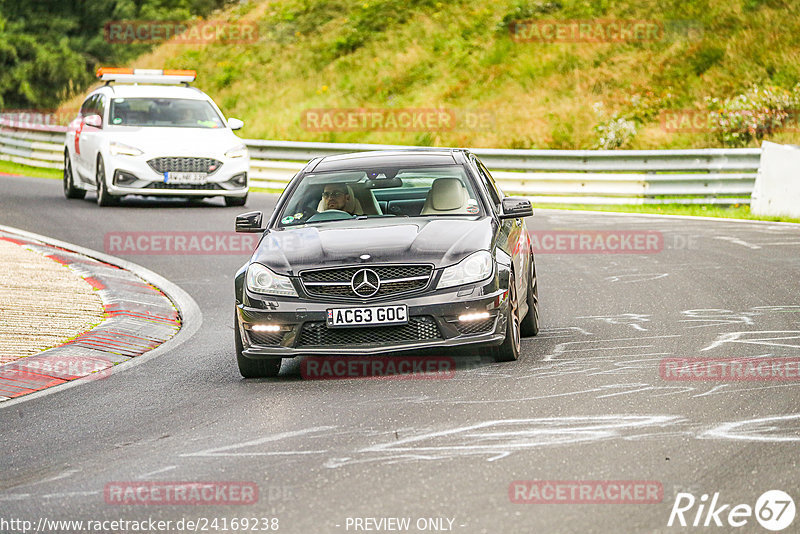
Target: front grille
(162,165)
(340,279)
(162,185)
(421,328)
(265,338)
(475,327)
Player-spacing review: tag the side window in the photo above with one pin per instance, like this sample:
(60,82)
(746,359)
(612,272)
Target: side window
(86,107)
(496,189)
(100,106)
(488,183)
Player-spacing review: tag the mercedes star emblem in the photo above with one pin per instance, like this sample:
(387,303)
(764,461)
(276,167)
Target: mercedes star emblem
(365,283)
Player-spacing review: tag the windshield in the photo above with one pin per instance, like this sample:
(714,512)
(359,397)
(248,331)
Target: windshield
(441,191)
(164,112)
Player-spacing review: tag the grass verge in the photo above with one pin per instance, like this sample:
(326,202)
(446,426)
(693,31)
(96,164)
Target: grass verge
(9,167)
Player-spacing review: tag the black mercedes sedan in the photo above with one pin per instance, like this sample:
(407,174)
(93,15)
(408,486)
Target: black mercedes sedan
(378,253)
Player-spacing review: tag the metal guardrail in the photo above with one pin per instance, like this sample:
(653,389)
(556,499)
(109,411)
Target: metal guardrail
(702,176)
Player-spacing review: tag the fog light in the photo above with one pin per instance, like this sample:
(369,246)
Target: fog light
(266,328)
(239,179)
(123,178)
(474,316)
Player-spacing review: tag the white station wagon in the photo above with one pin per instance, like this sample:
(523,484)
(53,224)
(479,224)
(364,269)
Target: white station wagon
(147,132)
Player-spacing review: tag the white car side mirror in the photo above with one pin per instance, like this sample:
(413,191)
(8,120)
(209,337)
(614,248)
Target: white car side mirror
(94,120)
(235,124)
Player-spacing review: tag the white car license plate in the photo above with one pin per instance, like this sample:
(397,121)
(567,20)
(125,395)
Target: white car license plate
(370,316)
(185,177)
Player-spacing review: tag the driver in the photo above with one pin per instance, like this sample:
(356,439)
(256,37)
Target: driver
(337,197)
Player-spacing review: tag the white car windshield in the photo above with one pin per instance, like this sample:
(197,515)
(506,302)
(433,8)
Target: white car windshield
(164,112)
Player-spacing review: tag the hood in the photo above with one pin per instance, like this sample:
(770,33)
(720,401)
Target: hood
(186,142)
(439,241)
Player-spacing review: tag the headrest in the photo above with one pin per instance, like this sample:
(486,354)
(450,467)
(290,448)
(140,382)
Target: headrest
(447,194)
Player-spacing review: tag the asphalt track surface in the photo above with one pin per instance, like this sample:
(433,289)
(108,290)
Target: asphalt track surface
(584,402)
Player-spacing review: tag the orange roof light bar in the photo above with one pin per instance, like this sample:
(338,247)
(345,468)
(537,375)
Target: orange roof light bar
(112,70)
(156,76)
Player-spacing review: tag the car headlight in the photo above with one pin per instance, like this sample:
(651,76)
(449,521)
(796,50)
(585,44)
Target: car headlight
(118,149)
(474,268)
(239,151)
(262,280)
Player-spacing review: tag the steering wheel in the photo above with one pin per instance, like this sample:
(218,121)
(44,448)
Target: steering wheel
(330,215)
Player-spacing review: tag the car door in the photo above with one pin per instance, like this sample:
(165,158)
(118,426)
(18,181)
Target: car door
(91,137)
(513,235)
(78,154)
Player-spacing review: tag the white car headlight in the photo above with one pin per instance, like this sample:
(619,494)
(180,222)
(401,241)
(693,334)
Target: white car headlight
(118,149)
(474,268)
(239,151)
(262,280)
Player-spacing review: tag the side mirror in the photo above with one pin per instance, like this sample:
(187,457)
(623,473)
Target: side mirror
(516,208)
(249,222)
(94,120)
(235,124)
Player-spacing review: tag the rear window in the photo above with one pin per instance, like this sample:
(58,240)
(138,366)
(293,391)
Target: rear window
(440,191)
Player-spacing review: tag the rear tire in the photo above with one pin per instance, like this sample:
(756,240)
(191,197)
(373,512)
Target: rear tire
(70,191)
(530,324)
(235,201)
(509,350)
(262,368)
(104,198)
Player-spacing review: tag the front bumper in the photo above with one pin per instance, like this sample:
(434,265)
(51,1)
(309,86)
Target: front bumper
(435,315)
(128,175)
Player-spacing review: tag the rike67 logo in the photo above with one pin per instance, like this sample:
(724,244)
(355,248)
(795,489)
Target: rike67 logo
(774,510)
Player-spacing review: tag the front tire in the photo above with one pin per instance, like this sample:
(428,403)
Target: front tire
(530,324)
(266,368)
(235,201)
(509,350)
(70,191)
(104,198)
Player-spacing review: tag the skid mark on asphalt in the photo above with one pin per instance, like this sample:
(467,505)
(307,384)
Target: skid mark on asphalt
(737,241)
(769,338)
(230,450)
(498,439)
(157,472)
(634,320)
(565,349)
(634,278)
(777,429)
(567,331)
(64,495)
(716,317)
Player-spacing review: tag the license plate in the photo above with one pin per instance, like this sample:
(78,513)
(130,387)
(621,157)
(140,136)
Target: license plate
(369,316)
(185,177)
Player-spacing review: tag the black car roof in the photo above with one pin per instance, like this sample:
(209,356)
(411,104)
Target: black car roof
(413,157)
